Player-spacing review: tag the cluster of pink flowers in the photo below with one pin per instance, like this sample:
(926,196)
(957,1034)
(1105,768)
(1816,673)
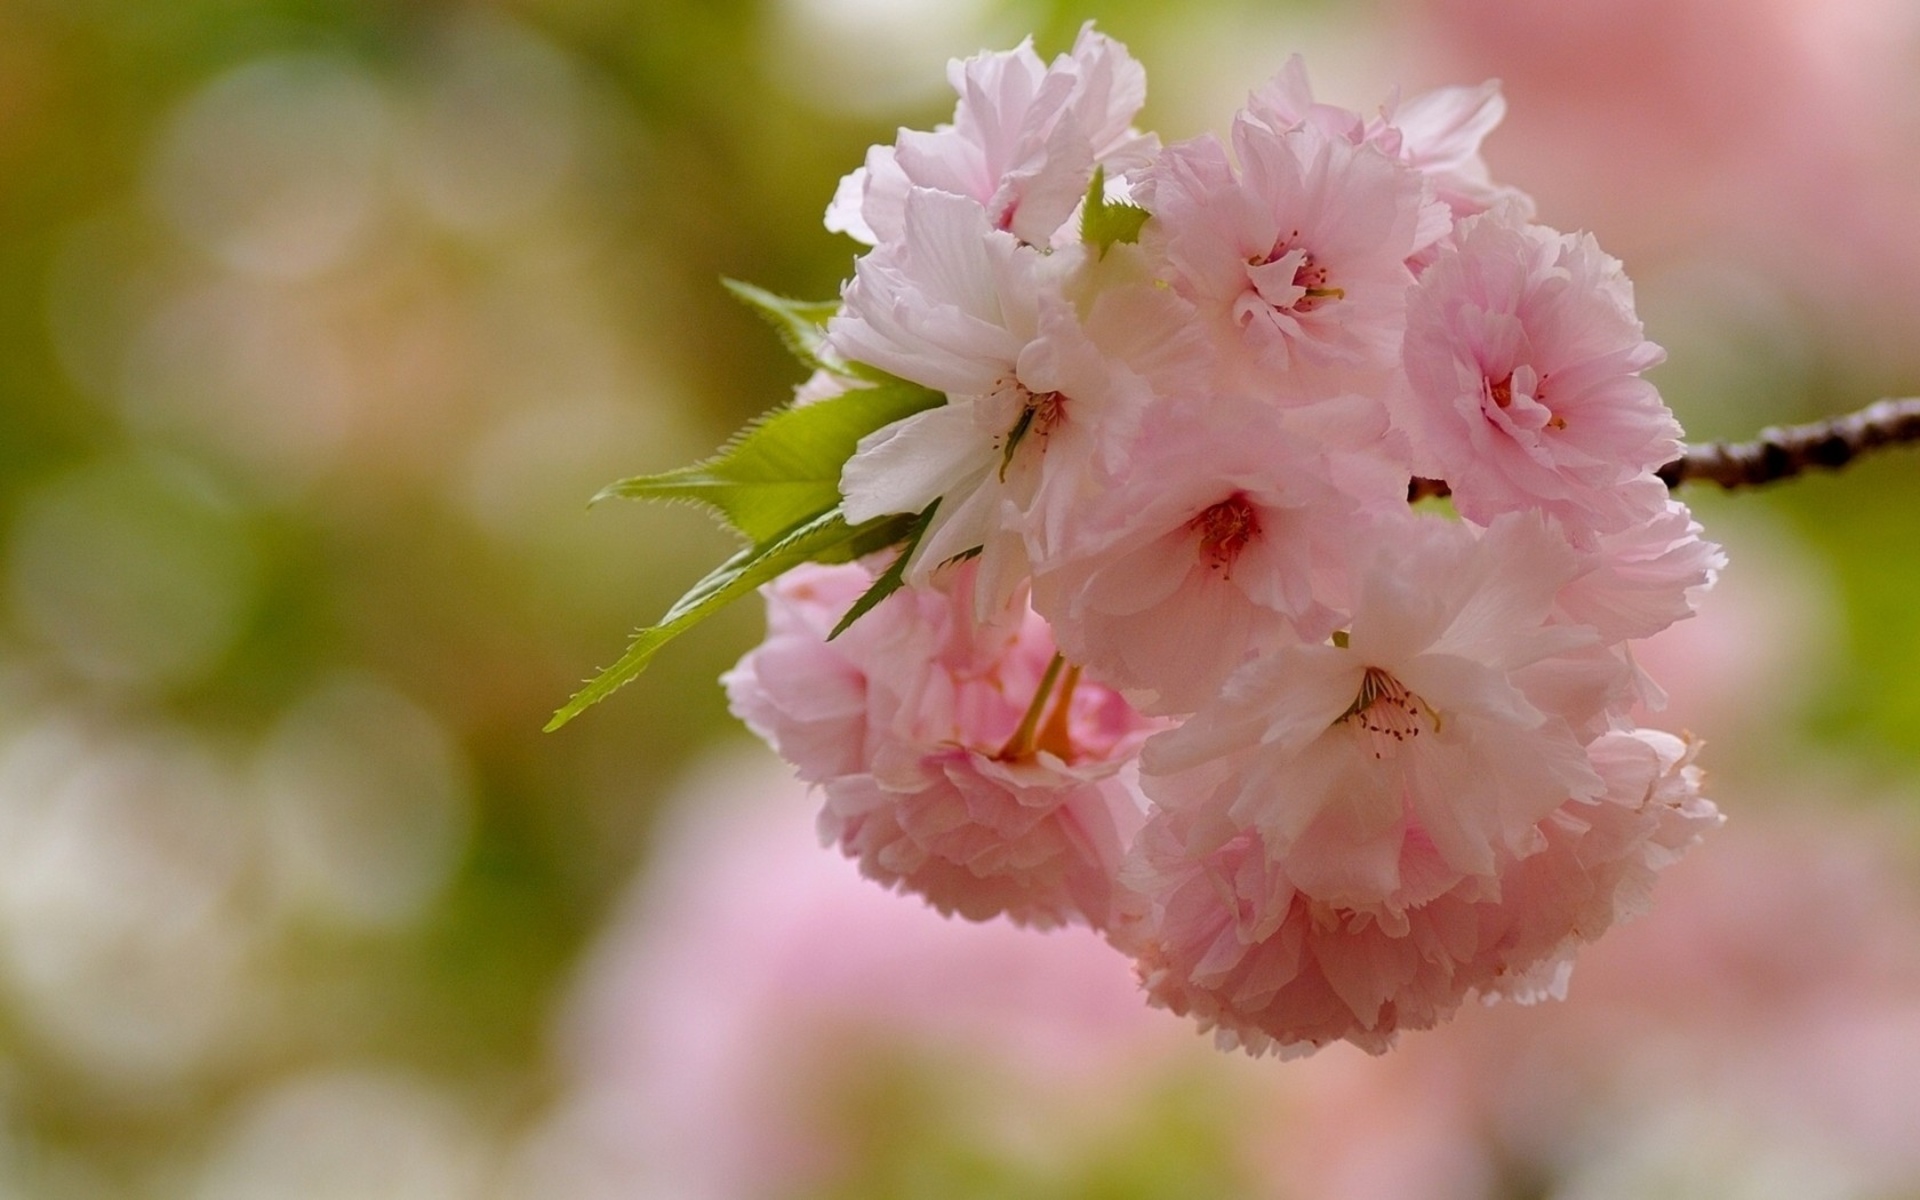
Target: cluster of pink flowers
(1175,656)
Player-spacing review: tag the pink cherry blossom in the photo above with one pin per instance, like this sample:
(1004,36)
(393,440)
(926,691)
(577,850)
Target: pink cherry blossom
(1221,540)
(1023,144)
(954,761)
(1438,133)
(1036,408)
(1525,355)
(1642,579)
(1285,102)
(1323,763)
(1422,750)
(1228,937)
(1298,259)
(950,307)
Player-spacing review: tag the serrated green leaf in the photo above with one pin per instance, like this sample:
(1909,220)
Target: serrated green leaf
(785,467)
(1102,222)
(824,537)
(893,578)
(801,324)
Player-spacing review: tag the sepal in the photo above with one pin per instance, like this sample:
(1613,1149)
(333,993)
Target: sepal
(1104,222)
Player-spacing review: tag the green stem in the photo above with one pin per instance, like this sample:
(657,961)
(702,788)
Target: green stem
(1055,736)
(1021,744)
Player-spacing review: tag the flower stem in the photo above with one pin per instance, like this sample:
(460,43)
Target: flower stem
(1024,739)
(1056,738)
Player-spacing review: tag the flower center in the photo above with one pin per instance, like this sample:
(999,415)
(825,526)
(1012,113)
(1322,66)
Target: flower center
(1290,279)
(1225,529)
(1389,713)
(1047,410)
(1532,414)
(1311,278)
(1040,413)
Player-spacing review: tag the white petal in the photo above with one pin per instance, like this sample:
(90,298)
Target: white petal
(905,466)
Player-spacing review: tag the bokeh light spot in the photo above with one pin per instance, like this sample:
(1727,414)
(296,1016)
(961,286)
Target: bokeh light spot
(348,1135)
(274,168)
(367,803)
(123,931)
(248,372)
(137,571)
(497,129)
(874,56)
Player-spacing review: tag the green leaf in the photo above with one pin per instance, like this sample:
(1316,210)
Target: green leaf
(785,467)
(893,578)
(1103,223)
(824,537)
(801,324)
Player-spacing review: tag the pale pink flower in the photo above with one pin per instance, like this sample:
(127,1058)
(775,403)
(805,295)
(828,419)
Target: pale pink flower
(1285,102)
(1437,133)
(803,698)
(1023,144)
(1036,408)
(1642,579)
(1422,750)
(911,723)
(1222,539)
(1298,259)
(950,307)
(1525,355)
(1228,937)
(1407,771)
(1440,135)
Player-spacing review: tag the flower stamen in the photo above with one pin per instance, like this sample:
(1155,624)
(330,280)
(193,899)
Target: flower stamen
(1039,414)
(1225,529)
(1500,391)
(1310,278)
(1387,711)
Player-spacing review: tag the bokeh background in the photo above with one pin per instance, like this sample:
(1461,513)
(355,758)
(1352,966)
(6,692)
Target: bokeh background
(321,319)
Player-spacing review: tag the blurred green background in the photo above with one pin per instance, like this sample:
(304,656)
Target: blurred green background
(321,319)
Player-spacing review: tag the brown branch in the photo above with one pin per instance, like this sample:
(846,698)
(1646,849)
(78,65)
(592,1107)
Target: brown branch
(1777,453)
(1783,453)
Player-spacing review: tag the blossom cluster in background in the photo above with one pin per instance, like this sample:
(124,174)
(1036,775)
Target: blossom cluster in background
(755,1021)
(1171,655)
